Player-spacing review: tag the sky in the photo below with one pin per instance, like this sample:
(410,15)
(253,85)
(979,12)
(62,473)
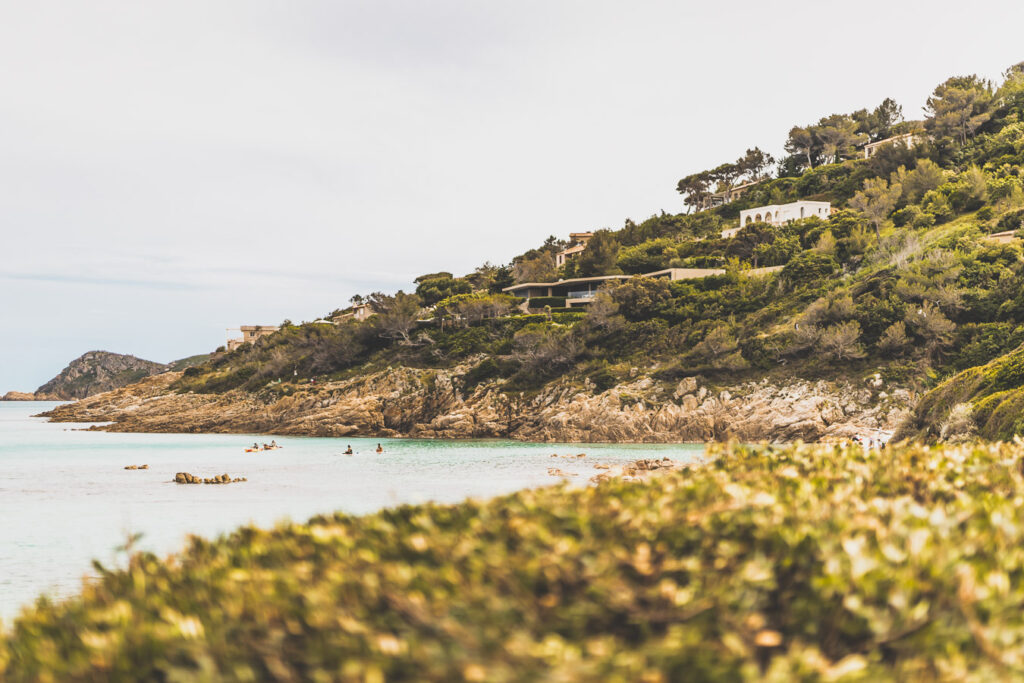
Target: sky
(172,169)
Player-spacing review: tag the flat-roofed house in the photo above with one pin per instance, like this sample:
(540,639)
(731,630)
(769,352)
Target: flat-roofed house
(250,333)
(777,214)
(580,291)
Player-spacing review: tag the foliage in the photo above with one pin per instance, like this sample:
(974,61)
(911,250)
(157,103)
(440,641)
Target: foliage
(598,258)
(877,200)
(958,107)
(396,315)
(542,301)
(768,563)
(435,287)
(647,257)
(809,269)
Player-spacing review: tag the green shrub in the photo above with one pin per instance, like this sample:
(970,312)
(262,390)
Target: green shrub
(488,368)
(809,269)
(603,378)
(789,563)
(906,216)
(923,220)
(1012,220)
(568,316)
(542,301)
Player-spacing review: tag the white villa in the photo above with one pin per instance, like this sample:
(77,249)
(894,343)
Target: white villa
(777,214)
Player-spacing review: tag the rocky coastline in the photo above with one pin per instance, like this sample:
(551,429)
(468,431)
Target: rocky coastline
(28,396)
(409,402)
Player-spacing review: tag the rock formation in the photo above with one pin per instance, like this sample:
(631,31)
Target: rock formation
(636,470)
(20,396)
(403,401)
(95,372)
(187,478)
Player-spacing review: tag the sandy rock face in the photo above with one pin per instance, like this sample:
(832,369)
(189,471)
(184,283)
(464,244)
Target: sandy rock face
(430,404)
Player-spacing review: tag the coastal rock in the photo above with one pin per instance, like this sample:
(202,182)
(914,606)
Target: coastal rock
(401,401)
(637,470)
(687,385)
(136,467)
(187,478)
(555,472)
(18,396)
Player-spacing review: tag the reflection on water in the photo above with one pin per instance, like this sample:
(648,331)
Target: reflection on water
(65,497)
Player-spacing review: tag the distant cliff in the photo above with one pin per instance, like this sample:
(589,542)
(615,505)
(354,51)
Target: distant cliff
(95,372)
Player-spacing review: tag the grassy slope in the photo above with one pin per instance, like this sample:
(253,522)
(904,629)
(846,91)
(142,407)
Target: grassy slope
(797,563)
(995,392)
(191,361)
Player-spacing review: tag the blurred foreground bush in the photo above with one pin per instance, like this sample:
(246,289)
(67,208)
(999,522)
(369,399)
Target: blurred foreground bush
(805,563)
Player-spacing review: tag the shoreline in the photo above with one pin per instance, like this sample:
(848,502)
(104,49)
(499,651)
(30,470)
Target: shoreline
(397,403)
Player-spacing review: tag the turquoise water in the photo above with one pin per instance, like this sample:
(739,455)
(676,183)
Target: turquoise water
(65,498)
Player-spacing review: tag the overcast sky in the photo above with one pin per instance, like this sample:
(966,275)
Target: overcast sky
(171,169)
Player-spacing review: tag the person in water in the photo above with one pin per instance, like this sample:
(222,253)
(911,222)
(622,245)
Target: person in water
(380,449)
(255,446)
(348,451)
(273,444)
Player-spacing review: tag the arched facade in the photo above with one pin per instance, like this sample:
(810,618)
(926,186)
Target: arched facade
(778,214)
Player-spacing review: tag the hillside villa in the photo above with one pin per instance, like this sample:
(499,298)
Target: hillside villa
(577,245)
(722,198)
(777,214)
(908,139)
(250,333)
(358,312)
(580,291)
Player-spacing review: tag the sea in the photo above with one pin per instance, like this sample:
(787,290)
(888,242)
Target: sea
(66,498)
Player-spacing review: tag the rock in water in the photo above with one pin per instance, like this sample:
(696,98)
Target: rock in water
(187,478)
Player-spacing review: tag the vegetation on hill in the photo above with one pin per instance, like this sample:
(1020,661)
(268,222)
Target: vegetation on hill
(899,281)
(797,563)
(184,363)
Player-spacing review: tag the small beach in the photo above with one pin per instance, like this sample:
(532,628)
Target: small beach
(66,498)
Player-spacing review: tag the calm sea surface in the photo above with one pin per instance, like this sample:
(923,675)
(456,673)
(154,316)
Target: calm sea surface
(65,498)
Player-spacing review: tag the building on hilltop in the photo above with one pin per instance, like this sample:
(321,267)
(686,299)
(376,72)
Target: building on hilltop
(358,312)
(722,198)
(777,214)
(579,291)
(908,139)
(577,245)
(250,333)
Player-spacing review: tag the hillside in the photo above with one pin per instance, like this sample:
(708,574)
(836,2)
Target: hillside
(796,563)
(897,288)
(95,372)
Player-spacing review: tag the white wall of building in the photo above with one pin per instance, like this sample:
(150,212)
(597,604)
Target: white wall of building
(777,214)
